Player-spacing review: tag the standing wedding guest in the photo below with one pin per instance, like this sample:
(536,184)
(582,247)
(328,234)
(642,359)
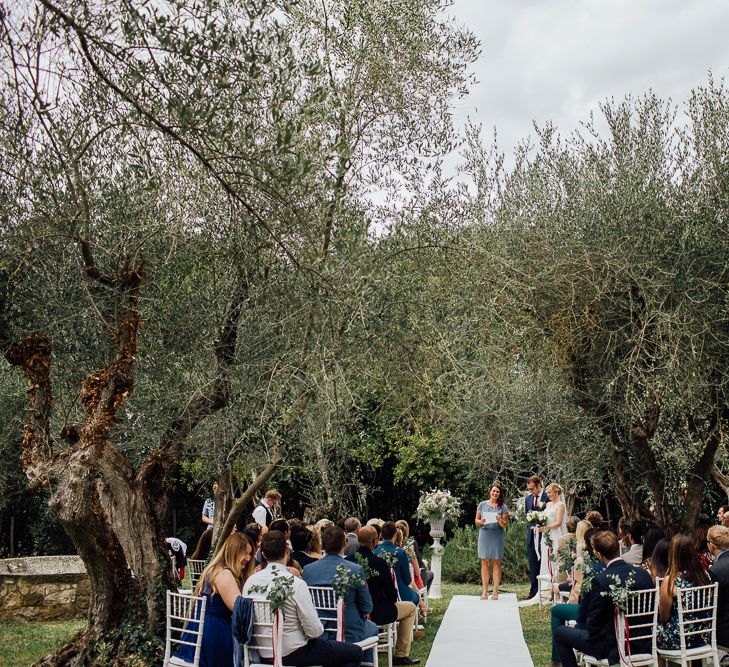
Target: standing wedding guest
(535,501)
(221,583)
(263,514)
(724,509)
(718,540)
(208,511)
(684,571)
(492,516)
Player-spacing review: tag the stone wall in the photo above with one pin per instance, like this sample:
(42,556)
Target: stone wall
(43,588)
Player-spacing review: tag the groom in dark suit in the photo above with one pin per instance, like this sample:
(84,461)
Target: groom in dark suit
(597,636)
(535,501)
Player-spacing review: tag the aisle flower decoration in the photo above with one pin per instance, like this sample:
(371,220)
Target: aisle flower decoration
(438,504)
(586,565)
(280,589)
(344,579)
(618,590)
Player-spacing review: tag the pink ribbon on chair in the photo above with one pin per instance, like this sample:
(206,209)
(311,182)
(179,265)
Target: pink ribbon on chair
(624,660)
(549,562)
(340,620)
(276,630)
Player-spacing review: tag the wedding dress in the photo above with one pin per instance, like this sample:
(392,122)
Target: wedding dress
(551,510)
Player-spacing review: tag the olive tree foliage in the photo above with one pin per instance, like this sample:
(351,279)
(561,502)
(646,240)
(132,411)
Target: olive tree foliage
(186,250)
(623,238)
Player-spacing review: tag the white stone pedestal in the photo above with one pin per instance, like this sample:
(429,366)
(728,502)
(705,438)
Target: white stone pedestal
(436,532)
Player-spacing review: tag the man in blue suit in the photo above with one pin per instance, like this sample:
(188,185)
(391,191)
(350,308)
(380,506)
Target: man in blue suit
(535,501)
(597,636)
(402,564)
(357,601)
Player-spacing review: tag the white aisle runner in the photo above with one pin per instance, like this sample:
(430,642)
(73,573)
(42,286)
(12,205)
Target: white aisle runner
(480,633)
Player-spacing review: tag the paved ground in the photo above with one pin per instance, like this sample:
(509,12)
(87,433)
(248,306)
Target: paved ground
(479,633)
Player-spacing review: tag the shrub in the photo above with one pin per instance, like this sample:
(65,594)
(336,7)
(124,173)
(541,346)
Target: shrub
(462,565)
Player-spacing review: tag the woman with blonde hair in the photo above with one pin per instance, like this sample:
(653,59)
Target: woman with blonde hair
(221,583)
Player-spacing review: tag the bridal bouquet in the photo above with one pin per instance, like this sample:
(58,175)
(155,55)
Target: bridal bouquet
(438,504)
(536,519)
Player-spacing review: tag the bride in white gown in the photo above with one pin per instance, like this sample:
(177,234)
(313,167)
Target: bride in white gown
(556,512)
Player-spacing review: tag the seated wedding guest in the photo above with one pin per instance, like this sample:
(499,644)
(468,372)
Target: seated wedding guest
(684,571)
(303,640)
(314,550)
(651,537)
(597,637)
(576,607)
(701,547)
(401,566)
(718,540)
(426,576)
(385,606)
(659,560)
(357,601)
(594,518)
(400,541)
(634,555)
(720,515)
(301,539)
(351,526)
(221,582)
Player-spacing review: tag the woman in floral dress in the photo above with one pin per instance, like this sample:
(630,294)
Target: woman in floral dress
(684,571)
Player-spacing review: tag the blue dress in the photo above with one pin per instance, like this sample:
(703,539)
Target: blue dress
(217,641)
(491,535)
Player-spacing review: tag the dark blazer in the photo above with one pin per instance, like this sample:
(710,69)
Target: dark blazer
(530,506)
(302,558)
(719,573)
(382,590)
(600,611)
(357,601)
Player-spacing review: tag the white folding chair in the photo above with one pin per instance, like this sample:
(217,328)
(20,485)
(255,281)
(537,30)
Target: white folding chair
(641,620)
(331,614)
(696,621)
(544,588)
(386,641)
(185,622)
(263,637)
(196,567)
(423,593)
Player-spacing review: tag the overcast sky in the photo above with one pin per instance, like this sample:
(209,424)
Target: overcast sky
(558,59)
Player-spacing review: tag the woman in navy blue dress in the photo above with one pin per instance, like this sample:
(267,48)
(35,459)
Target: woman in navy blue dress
(492,515)
(221,583)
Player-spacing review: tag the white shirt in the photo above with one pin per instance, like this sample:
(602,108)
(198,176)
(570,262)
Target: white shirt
(259,515)
(300,620)
(634,555)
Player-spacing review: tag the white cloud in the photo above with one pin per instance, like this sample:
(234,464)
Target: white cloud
(558,59)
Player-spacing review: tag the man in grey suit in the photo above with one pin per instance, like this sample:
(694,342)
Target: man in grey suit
(357,601)
(351,526)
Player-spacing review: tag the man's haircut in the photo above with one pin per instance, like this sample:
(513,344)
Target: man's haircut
(537,481)
(279,524)
(719,536)
(352,524)
(388,530)
(636,530)
(333,539)
(367,536)
(273,545)
(272,494)
(606,543)
(301,538)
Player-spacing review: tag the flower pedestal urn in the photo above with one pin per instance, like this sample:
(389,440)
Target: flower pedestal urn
(436,532)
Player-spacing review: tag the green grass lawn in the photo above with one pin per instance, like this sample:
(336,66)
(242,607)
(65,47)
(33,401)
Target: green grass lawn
(22,644)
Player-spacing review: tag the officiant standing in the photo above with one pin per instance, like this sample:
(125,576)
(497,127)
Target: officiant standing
(535,501)
(492,515)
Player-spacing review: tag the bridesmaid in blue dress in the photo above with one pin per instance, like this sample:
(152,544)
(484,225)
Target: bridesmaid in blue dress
(492,515)
(221,583)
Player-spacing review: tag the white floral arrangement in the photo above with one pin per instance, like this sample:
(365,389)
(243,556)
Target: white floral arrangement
(438,504)
(536,519)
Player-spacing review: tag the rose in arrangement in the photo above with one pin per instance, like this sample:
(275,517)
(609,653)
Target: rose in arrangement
(438,504)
